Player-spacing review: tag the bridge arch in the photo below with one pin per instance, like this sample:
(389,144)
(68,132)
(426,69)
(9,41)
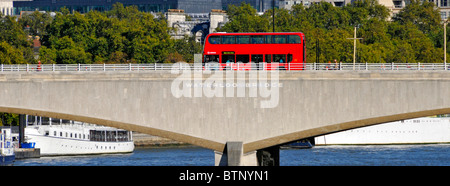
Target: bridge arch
(121,125)
(252,146)
(283,139)
(143,102)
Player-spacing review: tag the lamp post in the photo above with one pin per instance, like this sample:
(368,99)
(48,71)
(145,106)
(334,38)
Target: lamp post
(273,15)
(354,48)
(445,44)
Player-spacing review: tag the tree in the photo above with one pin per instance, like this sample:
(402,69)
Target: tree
(424,14)
(73,56)
(413,35)
(374,31)
(36,23)
(186,47)
(403,52)
(10,55)
(13,33)
(244,19)
(326,16)
(374,53)
(362,10)
(47,55)
(121,35)
(335,45)
(15,47)
(8,119)
(142,49)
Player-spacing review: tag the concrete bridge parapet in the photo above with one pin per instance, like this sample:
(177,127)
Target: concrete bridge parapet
(310,103)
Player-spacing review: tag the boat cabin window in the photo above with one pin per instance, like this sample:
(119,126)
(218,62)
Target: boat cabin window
(98,135)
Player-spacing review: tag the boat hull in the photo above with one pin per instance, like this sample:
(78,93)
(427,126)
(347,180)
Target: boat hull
(7,160)
(54,146)
(413,131)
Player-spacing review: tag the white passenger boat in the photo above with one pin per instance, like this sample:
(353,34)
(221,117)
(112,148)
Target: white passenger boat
(7,155)
(76,138)
(413,131)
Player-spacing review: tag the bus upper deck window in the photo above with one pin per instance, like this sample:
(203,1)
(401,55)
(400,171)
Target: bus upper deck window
(279,39)
(214,39)
(257,39)
(293,39)
(268,39)
(242,39)
(228,39)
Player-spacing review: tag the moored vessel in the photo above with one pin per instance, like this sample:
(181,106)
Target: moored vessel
(424,130)
(58,137)
(7,155)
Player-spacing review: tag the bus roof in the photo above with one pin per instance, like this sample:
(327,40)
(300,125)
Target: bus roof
(256,33)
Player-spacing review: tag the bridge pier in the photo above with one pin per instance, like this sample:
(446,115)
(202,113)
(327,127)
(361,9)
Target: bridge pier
(233,156)
(269,156)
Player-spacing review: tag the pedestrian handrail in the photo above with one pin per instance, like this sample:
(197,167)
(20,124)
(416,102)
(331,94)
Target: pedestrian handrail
(215,66)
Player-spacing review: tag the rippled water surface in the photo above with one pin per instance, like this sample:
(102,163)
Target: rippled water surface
(376,155)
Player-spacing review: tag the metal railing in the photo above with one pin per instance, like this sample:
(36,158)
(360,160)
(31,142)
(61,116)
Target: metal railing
(377,66)
(233,66)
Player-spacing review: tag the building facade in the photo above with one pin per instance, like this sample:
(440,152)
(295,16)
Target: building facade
(6,7)
(83,6)
(199,28)
(394,5)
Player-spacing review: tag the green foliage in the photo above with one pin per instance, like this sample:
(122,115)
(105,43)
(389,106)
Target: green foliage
(122,35)
(7,119)
(35,23)
(125,35)
(47,55)
(15,47)
(423,14)
(10,54)
(185,48)
(12,32)
(244,19)
(413,35)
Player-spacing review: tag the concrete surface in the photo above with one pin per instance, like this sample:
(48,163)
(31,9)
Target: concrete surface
(309,104)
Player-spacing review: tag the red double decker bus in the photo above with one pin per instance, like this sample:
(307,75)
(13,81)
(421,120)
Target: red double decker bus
(285,51)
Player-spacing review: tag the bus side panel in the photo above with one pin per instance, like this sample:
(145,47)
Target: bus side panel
(297,50)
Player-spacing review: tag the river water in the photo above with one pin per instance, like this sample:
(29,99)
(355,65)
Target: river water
(372,155)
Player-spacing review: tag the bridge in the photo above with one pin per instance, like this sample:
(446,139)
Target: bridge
(243,123)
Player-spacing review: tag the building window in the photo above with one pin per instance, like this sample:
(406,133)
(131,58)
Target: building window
(443,15)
